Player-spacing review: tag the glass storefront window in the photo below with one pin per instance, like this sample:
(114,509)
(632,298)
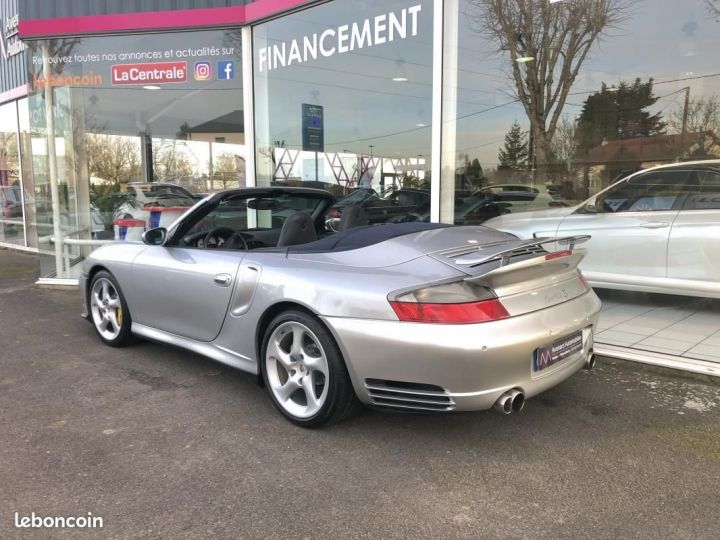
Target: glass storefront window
(12,198)
(27,173)
(543,103)
(343,100)
(113,117)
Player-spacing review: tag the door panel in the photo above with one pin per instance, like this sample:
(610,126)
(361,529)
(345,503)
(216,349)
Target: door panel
(694,247)
(631,229)
(185,291)
(633,243)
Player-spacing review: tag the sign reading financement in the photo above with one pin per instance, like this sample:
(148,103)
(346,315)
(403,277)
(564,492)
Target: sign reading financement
(313,128)
(372,31)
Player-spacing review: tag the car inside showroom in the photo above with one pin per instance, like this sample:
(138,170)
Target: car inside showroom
(541,122)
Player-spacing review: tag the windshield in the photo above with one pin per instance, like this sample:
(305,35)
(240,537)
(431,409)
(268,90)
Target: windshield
(257,217)
(358,196)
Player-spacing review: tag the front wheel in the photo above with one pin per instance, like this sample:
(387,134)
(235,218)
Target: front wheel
(304,371)
(108,310)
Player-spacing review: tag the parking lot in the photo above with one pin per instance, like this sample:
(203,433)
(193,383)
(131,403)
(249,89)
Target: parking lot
(163,443)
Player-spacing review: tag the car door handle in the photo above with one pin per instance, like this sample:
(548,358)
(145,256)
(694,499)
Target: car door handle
(655,225)
(223,279)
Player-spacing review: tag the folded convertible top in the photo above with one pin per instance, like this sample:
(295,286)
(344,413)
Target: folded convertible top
(367,235)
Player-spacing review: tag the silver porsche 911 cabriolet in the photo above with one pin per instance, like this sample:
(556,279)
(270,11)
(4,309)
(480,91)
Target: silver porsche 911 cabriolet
(408,316)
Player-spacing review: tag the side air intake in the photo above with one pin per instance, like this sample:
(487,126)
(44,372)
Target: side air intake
(409,396)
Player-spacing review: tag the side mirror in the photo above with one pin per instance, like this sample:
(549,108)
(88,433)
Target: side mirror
(155,237)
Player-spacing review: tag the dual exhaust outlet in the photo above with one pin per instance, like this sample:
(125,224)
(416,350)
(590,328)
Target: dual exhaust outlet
(513,401)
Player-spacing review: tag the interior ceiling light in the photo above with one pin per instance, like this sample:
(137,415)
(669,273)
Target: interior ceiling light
(524,59)
(151,87)
(420,124)
(400,79)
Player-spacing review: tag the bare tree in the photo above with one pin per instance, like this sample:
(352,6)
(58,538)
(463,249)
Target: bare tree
(703,115)
(547,43)
(564,143)
(171,164)
(713,6)
(113,157)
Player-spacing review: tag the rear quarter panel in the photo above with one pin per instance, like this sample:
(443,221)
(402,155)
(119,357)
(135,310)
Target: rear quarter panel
(324,288)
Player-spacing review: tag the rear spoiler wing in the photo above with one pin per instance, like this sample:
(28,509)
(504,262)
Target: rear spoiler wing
(504,256)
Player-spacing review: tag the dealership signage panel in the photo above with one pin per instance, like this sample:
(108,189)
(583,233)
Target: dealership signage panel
(313,128)
(372,31)
(149,73)
(10,42)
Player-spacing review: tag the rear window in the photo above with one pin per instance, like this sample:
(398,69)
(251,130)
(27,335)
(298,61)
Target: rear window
(705,191)
(653,191)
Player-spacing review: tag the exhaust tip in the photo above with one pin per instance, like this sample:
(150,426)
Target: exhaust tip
(511,401)
(590,362)
(518,402)
(504,404)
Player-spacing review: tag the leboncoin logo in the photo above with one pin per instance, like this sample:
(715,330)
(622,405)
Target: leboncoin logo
(155,73)
(203,71)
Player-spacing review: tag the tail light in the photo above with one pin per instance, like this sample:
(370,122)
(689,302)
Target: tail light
(558,254)
(449,303)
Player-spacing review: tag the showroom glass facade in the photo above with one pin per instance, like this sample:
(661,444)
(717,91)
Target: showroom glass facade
(16,186)
(17,204)
(114,119)
(12,222)
(554,101)
(523,105)
(343,95)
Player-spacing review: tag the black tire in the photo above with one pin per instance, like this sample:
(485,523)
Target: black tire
(124,336)
(341,401)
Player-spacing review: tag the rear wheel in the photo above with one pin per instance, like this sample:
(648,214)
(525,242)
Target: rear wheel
(304,371)
(108,310)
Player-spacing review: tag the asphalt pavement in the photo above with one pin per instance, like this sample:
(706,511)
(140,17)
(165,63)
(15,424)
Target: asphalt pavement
(162,443)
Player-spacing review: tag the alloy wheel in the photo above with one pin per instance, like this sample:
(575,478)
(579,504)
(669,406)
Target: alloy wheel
(106,309)
(297,369)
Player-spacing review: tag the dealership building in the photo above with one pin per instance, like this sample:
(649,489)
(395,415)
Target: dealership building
(438,98)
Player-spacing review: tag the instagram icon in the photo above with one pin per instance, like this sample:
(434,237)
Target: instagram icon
(203,71)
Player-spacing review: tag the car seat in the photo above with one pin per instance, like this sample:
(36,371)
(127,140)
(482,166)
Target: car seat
(297,229)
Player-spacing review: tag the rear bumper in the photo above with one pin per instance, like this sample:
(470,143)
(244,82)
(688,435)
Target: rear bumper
(473,365)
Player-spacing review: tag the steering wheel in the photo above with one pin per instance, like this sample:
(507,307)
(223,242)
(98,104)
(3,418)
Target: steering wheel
(231,240)
(217,237)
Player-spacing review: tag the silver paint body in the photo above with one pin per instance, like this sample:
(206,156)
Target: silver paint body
(174,296)
(669,251)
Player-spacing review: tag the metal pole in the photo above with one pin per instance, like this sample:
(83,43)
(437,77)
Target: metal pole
(52,160)
(248,86)
(21,177)
(686,109)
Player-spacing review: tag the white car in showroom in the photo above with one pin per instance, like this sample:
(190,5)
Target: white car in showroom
(657,230)
(155,196)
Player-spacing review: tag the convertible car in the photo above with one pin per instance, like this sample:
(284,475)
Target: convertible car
(414,317)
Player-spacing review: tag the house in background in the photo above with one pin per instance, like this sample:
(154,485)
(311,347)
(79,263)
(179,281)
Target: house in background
(612,159)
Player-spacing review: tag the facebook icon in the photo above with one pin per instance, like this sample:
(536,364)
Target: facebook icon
(226,69)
